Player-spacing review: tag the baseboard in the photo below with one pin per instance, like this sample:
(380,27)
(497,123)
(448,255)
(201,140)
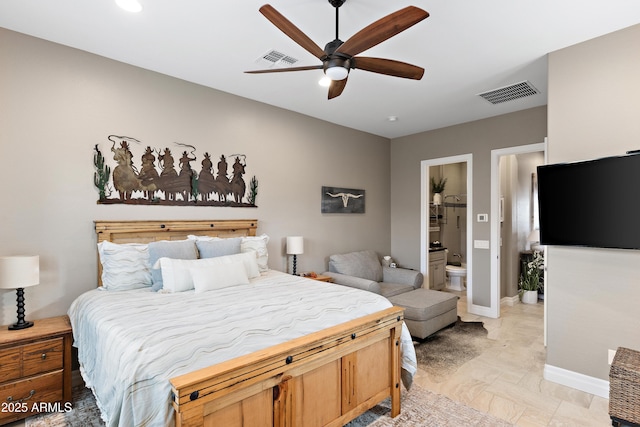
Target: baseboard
(578,381)
(510,301)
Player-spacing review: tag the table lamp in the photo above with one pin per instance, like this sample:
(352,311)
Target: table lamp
(295,246)
(19,272)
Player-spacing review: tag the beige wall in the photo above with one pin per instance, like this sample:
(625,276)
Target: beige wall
(57,103)
(477,138)
(593,294)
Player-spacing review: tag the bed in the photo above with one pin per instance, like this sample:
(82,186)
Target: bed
(279,350)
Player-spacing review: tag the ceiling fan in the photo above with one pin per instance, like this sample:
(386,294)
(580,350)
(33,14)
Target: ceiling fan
(339,57)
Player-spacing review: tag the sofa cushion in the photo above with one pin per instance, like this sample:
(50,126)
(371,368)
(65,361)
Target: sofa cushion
(354,282)
(364,264)
(388,290)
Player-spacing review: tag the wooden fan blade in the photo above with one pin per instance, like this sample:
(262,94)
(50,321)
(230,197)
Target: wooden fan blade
(382,30)
(292,31)
(336,87)
(280,70)
(388,67)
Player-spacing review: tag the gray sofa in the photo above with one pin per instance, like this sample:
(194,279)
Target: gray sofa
(363,270)
(426,311)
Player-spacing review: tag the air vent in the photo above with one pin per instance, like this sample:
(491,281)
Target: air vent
(274,58)
(509,93)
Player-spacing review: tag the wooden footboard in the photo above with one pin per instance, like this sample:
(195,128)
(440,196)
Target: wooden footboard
(323,379)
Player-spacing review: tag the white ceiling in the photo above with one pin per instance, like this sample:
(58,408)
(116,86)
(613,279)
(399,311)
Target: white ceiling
(465,46)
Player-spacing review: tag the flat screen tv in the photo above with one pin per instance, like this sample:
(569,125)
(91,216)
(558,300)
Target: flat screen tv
(593,203)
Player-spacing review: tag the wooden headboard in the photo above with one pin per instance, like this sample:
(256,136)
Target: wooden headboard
(151,231)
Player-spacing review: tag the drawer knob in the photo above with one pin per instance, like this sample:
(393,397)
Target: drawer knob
(31,393)
(44,356)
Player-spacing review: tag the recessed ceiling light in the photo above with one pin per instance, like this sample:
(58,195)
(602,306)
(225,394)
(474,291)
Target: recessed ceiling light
(392,118)
(130,5)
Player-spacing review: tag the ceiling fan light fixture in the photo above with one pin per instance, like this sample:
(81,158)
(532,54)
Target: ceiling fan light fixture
(337,73)
(129,5)
(337,68)
(325,81)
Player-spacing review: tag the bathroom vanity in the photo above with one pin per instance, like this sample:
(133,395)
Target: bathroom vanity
(437,266)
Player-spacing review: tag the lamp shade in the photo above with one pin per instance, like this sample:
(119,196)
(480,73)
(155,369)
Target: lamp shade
(534,236)
(19,271)
(295,245)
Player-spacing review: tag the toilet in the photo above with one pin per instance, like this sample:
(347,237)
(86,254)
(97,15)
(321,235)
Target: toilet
(456,277)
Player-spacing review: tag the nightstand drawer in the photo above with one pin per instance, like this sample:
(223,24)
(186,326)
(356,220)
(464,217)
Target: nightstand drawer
(10,364)
(23,394)
(42,357)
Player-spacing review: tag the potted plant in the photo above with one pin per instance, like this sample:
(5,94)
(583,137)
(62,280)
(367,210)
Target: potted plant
(437,187)
(530,279)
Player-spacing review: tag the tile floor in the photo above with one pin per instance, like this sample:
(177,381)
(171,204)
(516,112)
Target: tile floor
(506,380)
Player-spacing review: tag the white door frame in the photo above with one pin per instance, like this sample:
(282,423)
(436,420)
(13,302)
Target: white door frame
(495,217)
(425,197)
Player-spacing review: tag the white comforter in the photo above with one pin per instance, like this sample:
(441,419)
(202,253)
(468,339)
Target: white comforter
(131,342)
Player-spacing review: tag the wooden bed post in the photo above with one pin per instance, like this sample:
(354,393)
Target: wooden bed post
(395,369)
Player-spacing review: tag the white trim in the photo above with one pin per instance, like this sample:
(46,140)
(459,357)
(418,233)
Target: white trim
(494,245)
(581,382)
(425,196)
(479,310)
(510,301)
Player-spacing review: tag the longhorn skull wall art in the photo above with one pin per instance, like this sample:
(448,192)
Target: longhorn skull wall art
(342,200)
(156,180)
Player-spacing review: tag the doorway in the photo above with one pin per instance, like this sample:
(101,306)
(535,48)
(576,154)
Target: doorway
(498,209)
(451,200)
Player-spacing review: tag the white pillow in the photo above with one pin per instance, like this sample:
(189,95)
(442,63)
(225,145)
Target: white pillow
(124,266)
(218,276)
(257,244)
(176,275)
(249,260)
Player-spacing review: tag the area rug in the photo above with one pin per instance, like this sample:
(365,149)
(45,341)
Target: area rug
(84,413)
(420,408)
(444,352)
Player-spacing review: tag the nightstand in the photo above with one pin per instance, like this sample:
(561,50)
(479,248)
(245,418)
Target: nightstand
(35,369)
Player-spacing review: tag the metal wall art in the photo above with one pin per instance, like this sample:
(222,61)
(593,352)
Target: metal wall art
(157,182)
(342,200)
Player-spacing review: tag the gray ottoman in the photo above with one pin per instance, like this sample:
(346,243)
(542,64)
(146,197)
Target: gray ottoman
(427,311)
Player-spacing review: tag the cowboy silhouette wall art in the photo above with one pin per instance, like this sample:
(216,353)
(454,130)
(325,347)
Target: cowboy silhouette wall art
(170,176)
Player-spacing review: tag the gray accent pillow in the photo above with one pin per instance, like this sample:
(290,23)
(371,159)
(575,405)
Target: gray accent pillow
(363,264)
(179,249)
(216,248)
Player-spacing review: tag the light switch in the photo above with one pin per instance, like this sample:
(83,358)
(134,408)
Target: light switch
(481,244)
(483,217)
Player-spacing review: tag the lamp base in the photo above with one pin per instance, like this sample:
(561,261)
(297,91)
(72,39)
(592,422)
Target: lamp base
(17,326)
(21,323)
